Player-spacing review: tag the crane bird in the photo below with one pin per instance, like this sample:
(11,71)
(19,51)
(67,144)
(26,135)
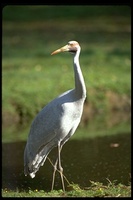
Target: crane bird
(56,122)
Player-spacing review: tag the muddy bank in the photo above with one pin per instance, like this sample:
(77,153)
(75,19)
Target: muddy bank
(118,107)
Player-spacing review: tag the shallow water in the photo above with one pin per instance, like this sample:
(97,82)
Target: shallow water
(83,160)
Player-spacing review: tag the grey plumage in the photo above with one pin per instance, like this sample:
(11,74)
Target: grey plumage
(56,122)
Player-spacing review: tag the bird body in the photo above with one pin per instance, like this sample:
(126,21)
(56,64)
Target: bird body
(57,121)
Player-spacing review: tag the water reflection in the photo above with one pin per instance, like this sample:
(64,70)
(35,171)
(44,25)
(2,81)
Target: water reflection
(83,160)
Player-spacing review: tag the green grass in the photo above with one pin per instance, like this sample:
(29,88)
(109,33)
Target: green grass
(30,13)
(31,77)
(95,190)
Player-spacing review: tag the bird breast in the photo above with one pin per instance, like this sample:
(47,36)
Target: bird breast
(70,118)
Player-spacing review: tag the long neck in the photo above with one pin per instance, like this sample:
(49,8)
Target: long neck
(80,87)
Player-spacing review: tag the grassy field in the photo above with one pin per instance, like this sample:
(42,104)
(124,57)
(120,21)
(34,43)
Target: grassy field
(95,190)
(31,77)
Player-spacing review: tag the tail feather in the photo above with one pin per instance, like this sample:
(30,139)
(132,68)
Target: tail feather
(33,165)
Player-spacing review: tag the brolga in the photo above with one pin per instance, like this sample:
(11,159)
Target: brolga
(56,122)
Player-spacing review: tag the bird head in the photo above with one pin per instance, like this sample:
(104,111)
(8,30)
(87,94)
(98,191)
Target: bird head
(72,47)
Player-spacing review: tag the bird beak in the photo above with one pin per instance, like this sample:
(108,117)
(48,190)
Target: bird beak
(62,49)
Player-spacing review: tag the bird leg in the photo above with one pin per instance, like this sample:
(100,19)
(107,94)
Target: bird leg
(55,168)
(60,167)
(58,160)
